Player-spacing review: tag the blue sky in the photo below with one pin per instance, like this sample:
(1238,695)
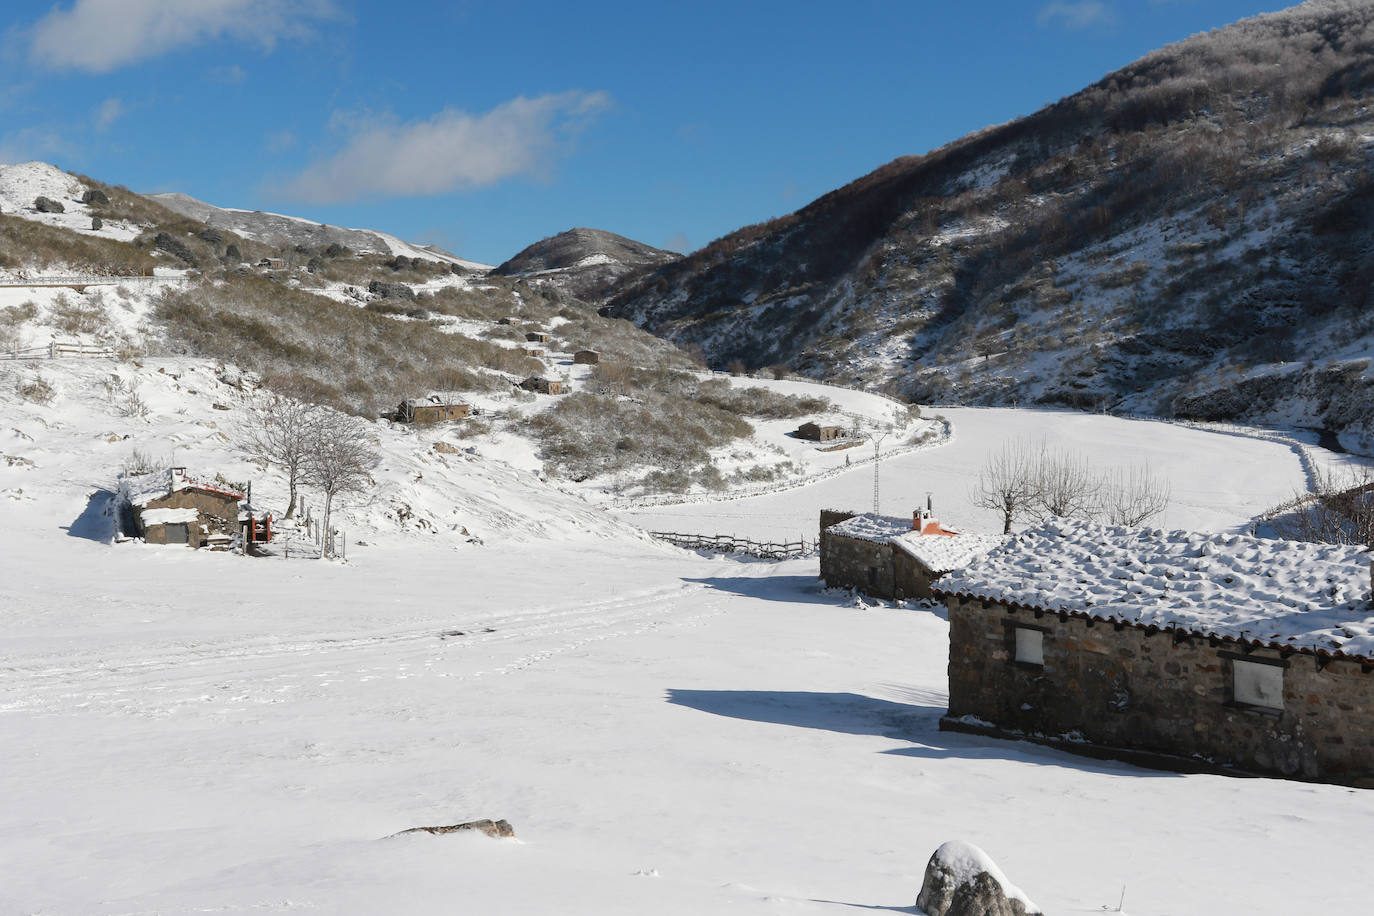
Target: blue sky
(485,126)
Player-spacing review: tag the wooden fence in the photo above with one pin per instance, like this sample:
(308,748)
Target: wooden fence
(57,350)
(728,543)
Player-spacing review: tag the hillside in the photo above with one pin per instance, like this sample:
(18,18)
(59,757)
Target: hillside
(1190,236)
(289,231)
(585,263)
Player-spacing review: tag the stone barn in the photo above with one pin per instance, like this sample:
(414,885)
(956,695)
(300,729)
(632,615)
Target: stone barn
(894,558)
(541,385)
(431,410)
(1171,648)
(167,507)
(818,433)
(587,357)
(537,337)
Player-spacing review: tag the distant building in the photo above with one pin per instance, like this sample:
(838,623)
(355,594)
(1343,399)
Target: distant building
(818,433)
(431,410)
(541,385)
(1204,651)
(167,507)
(587,357)
(534,351)
(894,558)
(505,321)
(537,337)
(272,264)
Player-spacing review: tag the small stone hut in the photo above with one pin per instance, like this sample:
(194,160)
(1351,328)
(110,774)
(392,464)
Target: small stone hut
(893,558)
(1176,649)
(818,433)
(541,385)
(272,264)
(432,409)
(587,357)
(167,507)
(537,337)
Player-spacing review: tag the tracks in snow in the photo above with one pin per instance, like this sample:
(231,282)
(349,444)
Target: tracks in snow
(257,669)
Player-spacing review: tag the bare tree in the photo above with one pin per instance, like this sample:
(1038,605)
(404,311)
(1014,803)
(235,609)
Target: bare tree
(1007,482)
(1338,510)
(338,462)
(1065,485)
(1133,496)
(281,432)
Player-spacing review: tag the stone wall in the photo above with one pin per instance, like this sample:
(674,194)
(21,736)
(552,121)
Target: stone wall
(864,566)
(1126,687)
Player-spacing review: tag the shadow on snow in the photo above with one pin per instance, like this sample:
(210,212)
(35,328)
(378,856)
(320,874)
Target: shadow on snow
(98,521)
(916,722)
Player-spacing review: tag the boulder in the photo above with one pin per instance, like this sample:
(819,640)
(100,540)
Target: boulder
(489,827)
(97,222)
(97,197)
(175,247)
(962,880)
(48,205)
(391,290)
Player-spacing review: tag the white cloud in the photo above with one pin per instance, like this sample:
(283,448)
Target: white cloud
(449,151)
(98,36)
(110,111)
(31,143)
(1077,14)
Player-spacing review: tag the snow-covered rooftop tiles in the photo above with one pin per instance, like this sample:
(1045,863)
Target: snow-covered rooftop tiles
(1307,596)
(871,527)
(942,553)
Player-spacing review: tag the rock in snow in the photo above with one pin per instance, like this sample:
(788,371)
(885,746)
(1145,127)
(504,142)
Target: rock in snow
(501,828)
(961,880)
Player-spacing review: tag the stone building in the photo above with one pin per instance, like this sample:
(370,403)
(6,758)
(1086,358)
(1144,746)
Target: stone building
(167,507)
(541,385)
(587,357)
(537,337)
(818,433)
(1191,651)
(893,558)
(432,409)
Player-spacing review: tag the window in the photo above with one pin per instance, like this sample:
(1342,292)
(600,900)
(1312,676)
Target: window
(1030,646)
(1257,684)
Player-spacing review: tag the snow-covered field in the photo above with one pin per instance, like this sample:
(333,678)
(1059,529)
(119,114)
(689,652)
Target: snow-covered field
(197,732)
(1219,481)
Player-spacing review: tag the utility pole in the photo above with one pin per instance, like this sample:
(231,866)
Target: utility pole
(877,460)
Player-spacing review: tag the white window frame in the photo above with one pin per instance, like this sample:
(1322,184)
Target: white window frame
(1257,684)
(1030,646)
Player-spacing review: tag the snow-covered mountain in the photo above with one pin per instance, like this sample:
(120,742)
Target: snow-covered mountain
(280,230)
(585,263)
(1190,236)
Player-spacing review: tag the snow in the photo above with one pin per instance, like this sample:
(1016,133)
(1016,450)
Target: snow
(870,527)
(967,861)
(941,553)
(169,516)
(188,731)
(1307,596)
(1220,479)
(20,184)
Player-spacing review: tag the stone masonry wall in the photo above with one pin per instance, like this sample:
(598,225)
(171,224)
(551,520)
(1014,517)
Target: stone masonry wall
(1128,688)
(854,563)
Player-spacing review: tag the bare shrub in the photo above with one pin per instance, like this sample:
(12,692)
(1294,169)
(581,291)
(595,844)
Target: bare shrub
(36,389)
(140,462)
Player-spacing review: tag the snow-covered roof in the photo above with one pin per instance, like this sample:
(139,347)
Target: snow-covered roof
(168,516)
(1304,596)
(871,527)
(941,553)
(140,489)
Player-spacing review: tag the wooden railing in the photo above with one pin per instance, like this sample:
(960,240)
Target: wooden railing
(56,350)
(728,543)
